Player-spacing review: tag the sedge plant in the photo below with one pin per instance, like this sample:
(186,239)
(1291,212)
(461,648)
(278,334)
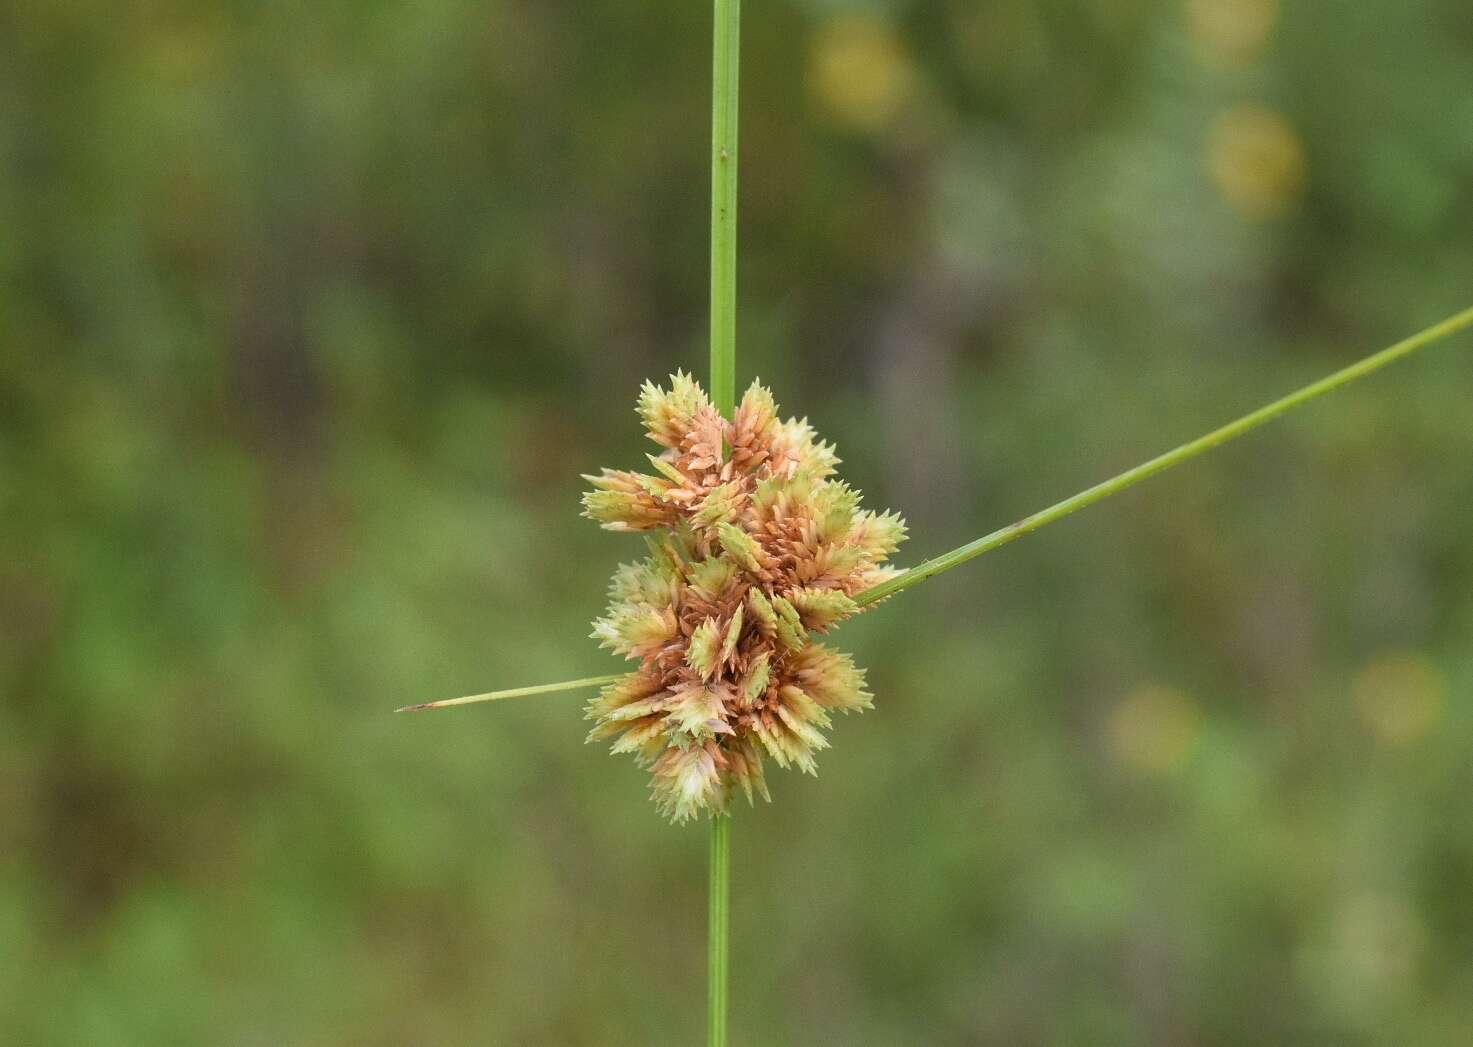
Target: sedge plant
(754,548)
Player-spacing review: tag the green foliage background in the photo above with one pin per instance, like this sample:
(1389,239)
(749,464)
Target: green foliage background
(311,315)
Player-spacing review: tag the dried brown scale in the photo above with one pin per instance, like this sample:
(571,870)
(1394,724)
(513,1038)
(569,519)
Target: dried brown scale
(753,547)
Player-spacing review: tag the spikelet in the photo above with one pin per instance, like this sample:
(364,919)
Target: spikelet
(753,546)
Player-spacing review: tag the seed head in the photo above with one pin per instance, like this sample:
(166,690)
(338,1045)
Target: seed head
(753,547)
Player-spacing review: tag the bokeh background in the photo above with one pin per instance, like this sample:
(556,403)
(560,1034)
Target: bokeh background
(311,315)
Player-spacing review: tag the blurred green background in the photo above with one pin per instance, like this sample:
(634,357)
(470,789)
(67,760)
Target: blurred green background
(311,315)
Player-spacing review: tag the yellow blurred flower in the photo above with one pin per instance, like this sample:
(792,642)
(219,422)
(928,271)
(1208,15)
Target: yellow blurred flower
(1154,730)
(1400,697)
(859,72)
(1257,161)
(1231,32)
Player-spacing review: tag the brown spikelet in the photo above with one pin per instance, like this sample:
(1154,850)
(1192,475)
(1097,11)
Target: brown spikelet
(753,546)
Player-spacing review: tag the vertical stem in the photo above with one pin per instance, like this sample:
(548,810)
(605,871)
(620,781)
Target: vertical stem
(724,68)
(725,53)
(720,912)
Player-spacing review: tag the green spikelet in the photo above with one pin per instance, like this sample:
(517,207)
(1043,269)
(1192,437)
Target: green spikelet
(821,609)
(702,654)
(711,577)
(667,416)
(741,546)
(790,631)
(720,506)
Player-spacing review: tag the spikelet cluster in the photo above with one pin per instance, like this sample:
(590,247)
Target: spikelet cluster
(754,546)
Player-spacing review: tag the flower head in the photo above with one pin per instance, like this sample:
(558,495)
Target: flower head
(753,547)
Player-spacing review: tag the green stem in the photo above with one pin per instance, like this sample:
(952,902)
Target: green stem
(724,68)
(1161,463)
(725,63)
(516,692)
(719,929)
